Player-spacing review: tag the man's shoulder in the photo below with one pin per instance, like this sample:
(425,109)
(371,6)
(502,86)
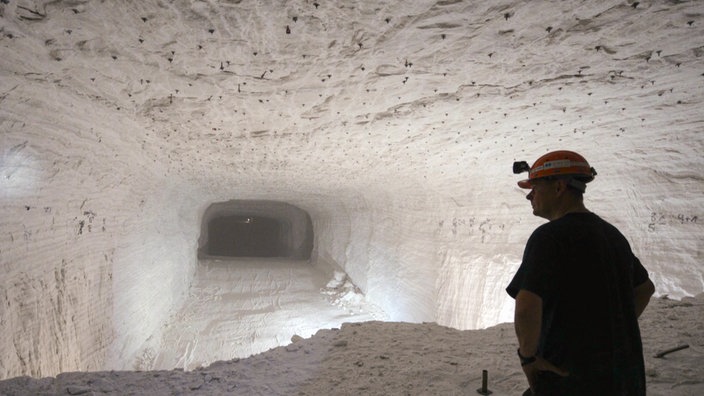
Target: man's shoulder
(578,226)
(570,223)
(544,233)
(582,219)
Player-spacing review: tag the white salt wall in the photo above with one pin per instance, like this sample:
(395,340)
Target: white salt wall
(93,250)
(393,124)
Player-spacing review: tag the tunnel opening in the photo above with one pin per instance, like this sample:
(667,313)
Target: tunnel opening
(245,236)
(251,229)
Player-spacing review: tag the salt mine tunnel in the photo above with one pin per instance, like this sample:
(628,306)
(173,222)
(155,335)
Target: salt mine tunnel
(186,181)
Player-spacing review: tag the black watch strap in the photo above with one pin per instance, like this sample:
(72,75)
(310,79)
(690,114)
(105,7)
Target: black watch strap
(525,360)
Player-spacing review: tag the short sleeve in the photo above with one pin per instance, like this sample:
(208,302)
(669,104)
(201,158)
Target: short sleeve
(640,274)
(537,271)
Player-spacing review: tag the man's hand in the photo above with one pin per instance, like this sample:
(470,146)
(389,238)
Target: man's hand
(531,371)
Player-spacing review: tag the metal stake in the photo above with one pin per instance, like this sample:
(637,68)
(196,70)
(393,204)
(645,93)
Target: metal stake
(484,390)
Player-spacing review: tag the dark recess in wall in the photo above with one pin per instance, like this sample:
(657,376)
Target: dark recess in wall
(254,228)
(245,236)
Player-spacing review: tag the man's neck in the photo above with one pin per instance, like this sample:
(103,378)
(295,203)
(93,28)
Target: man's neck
(569,207)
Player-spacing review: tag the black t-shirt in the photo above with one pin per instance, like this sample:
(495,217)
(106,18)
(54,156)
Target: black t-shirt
(585,272)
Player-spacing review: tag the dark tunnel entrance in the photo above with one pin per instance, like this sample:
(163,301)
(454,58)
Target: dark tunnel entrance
(248,228)
(245,236)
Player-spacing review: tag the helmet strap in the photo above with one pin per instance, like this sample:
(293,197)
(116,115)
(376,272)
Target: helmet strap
(577,184)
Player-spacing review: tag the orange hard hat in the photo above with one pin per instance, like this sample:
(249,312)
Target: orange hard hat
(557,164)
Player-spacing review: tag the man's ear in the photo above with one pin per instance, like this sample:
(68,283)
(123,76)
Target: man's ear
(561,186)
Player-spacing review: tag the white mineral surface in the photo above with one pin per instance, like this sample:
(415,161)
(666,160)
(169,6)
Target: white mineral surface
(392,124)
(393,358)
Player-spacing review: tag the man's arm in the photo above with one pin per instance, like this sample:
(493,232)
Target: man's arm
(641,295)
(527,321)
(528,318)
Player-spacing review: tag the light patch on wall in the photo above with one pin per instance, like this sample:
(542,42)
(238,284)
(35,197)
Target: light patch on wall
(19,172)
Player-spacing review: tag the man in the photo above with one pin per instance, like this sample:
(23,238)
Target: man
(579,290)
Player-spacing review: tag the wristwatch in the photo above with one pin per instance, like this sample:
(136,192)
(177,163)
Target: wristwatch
(525,360)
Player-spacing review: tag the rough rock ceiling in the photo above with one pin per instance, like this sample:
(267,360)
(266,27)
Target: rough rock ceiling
(423,89)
